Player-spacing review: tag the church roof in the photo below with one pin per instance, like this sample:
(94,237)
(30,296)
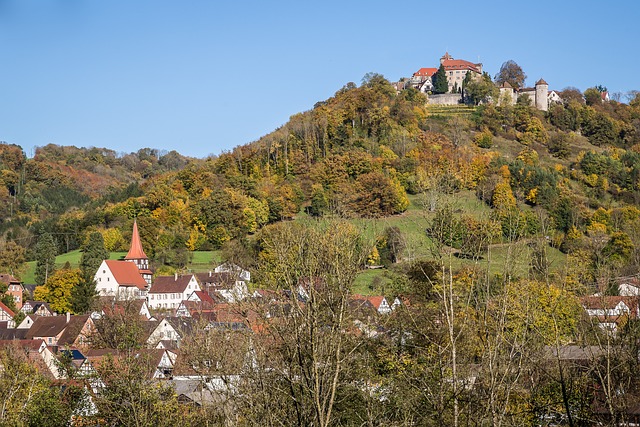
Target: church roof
(135,251)
(126,273)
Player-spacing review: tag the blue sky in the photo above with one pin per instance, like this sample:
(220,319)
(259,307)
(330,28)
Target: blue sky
(203,76)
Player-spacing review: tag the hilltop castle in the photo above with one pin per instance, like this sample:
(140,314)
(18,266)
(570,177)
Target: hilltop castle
(456,71)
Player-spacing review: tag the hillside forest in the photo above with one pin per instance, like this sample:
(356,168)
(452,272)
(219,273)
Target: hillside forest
(489,222)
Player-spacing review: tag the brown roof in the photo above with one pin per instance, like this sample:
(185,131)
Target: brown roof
(170,284)
(47,326)
(8,279)
(224,279)
(135,251)
(609,302)
(126,274)
(541,82)
(73,329)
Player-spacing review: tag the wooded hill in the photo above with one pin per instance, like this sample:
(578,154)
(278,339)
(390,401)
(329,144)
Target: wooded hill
(570,176)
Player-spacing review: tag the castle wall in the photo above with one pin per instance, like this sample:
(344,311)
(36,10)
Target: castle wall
(445,99)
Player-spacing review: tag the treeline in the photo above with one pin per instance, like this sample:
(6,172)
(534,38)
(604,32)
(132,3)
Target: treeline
(357,154)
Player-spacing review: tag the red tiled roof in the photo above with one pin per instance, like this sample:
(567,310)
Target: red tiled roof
(170,284)
(204,297)
(459,64)
(375,300)
(135,251)
(126,273)
(7,310)
(426,72)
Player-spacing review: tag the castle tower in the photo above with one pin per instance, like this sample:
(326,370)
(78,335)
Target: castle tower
(137,256)
(542,93)
(445,57)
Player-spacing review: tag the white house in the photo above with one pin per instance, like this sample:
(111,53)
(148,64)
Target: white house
(230,285)
(120,279)
(171,329)
(168,291)
(239,272)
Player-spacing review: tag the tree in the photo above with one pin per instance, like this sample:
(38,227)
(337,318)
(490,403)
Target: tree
(57,291)
(510,72)
(12,259)
(309,352)
(440,84)
(93,253)
(130,397)
(481,90)
(45,254)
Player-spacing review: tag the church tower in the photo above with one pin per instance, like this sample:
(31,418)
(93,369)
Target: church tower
(137,256)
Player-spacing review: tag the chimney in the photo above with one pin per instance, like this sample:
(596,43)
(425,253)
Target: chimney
(68,317)
(209,273)
(175,276)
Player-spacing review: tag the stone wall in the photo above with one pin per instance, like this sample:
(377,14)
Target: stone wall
(446,99)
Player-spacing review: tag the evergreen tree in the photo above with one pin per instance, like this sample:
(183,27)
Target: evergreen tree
(84,293)
(440,84)
(93,253)
(45,258)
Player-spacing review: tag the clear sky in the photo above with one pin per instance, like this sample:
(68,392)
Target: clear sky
(203,76)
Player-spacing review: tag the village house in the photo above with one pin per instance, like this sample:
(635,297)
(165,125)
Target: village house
(6,314)
(39,308)
(70,331)
(14,288)
(167,292)
(230,284)
(610,311)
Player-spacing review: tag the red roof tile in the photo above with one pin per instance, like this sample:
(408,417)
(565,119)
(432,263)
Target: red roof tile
(7,310)
(126,274)
(135,251)
(459,64)
(426,72)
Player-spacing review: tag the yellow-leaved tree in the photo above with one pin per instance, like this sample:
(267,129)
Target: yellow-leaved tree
(57,290)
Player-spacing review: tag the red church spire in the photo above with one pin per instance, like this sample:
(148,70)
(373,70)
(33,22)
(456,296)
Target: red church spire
(135,251)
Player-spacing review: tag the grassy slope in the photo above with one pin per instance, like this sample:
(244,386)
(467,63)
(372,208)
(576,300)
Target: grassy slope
(202,261)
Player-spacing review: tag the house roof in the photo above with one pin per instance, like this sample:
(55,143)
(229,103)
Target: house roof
(219,280)
(7,310)
(609,302)
(170,284)
(204,297)
(426,72)
(13,334)
(126,273)
(8,279)
(73,329)
(135,251)
(541,82)
(28,345)
(574,352)
(47,326)
(460,64)
(375,300)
